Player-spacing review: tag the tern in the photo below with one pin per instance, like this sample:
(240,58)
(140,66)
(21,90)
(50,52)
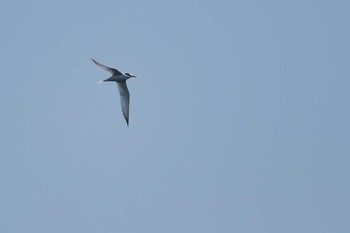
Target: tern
(120,78)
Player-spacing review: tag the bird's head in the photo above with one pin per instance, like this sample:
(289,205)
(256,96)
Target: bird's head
(130,75)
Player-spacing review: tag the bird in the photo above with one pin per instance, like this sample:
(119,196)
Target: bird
(120,78)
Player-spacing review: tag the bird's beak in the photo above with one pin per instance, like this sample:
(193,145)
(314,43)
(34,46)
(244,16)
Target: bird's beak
(134,76)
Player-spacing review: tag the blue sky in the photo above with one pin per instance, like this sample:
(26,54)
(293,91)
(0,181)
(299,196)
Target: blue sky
(239,118)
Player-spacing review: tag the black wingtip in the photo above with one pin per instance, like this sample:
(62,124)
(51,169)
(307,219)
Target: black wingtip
(96,63)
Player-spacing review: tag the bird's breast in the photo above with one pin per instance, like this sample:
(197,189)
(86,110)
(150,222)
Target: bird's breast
(119,78)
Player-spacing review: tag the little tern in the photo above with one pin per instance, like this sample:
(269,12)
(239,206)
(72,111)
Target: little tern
(120,78)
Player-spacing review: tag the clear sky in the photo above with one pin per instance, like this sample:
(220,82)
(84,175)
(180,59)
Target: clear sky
(239,117)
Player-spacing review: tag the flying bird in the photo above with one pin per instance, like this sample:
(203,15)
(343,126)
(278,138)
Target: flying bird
(120,78)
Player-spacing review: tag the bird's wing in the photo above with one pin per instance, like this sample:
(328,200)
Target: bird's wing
(109,69)
(124,99)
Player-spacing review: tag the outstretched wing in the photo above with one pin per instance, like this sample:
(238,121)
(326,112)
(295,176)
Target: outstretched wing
(109,69)
(124,99)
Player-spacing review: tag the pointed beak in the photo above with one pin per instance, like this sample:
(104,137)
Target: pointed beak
(134,76)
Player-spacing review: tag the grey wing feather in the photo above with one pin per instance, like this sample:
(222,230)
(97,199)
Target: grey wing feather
(109,69)
(124,99)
